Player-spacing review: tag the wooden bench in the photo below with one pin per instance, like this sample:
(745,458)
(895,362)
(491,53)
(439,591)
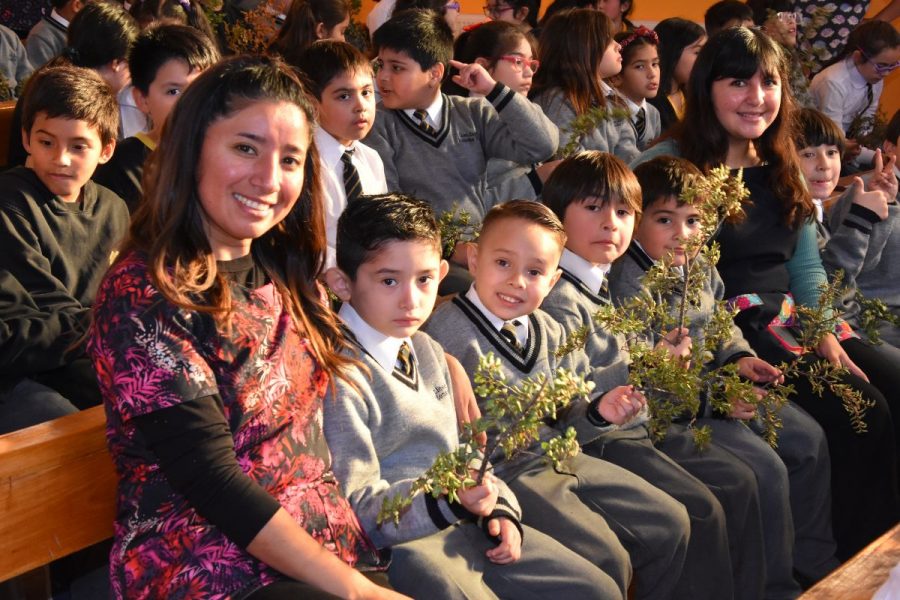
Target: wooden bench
(57,491)
(6,118)
(861,576)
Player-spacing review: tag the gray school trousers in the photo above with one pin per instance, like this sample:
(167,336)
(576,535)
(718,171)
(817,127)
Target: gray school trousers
(451,565)
(611,517)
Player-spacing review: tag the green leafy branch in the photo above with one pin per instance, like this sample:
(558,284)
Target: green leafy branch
(513,414)
(584,124)
(873,312)
(455,226)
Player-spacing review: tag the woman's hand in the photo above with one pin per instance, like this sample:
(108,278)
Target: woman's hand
(473,77)
(510,548)
(830,349)
(620,404)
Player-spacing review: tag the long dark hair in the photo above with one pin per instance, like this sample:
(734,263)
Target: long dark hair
(169,225)
(571,47)
(489,40)
(739,52)
(675,35)
(299,29)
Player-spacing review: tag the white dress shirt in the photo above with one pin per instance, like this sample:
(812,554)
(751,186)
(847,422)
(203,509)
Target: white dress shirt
(383,348)
(590,274)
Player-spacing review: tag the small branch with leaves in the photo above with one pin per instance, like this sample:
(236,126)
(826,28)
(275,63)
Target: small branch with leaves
(455,226)
(584,124)
(873,312)
(513,415)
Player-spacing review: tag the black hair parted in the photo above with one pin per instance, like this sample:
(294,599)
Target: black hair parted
(159,44)
(423,35)
(371,222)
(327,59)
(100,33)
(590,174)
(815,128)
(665,177)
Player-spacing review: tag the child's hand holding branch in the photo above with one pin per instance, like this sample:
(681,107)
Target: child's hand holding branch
(621,404)
(480,499)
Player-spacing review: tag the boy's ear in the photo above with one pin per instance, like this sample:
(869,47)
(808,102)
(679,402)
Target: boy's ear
(555,278)
(26,142)
(443,270)
(521,13)
(437,74)
(140,100)
(472,258)
(339,283)
(107,152)
(858,58)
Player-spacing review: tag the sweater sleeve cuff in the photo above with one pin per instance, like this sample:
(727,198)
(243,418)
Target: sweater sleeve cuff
(500,96)
(594,416)
(502,510)
(864,213)
(443,513)
(736,357)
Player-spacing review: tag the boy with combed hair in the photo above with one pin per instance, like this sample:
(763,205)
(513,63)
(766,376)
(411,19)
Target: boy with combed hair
(437,146)
(387,425)
(58,234)
(794,478)
(588,501)
(341,81)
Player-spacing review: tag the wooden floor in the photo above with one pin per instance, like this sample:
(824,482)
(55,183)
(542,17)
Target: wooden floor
(860,577)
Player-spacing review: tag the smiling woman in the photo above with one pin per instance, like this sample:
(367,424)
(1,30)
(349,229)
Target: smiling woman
(215,352)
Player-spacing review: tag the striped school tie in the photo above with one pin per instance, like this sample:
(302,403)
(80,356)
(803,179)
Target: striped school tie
(508,333)
(352,184)
(640,123)
(422,116)
(404,363)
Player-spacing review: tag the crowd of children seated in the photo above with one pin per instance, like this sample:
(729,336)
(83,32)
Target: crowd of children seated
(279,273)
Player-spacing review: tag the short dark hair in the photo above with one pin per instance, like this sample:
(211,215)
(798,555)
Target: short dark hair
(814,128)
(159,44)
(527,210)
(590,174)
(422,34)
(100,33)
(327,59)
(73,93)
(892,132)
(871,37)
(721,12)
(664,177)
(370,222)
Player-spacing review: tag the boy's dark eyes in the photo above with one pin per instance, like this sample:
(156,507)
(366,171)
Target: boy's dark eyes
(389,281)
(535,272)
(425,279)
(173,92)
(501,262)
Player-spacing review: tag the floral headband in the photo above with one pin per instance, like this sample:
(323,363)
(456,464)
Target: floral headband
(641,32)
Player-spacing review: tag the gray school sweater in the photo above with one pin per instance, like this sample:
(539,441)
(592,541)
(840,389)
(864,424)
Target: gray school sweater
(615,136)
(572,305)
(463,331)
(449,167)
(867,250)
(45,41)
(387,432)
(626,281)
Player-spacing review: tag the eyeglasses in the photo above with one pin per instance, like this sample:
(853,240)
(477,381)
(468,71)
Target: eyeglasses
(495,10)
(881,68)
(451,6)
(788,18)
(520,63)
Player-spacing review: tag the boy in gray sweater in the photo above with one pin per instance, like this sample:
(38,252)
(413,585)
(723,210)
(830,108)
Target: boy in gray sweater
(515,265)
(388,421)
(794,478)
(437,146)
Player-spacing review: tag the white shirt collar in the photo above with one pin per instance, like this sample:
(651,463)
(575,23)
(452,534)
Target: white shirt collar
(590,274)
(633,107)
(59,19)
(820,209)
(330,150)
(855,77)
(433,110)
(520,323)
(383,348)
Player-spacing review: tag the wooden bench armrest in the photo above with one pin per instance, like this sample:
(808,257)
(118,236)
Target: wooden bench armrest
(57,491)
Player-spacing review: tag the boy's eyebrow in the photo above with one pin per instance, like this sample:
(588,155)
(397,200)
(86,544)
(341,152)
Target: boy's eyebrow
(80,138)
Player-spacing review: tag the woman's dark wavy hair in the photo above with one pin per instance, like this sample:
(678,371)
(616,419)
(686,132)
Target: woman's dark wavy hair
(739,52)
(299,30)
(169,225)
(571,47)
(489,40)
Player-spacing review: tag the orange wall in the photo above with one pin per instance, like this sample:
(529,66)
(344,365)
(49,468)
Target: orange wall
(656,10)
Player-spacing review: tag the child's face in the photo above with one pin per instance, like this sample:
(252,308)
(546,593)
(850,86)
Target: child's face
(515,265)
(640,77)
(746,107)
(514,68)
(250,173)
(162,94)
(598,231)
(665,227)
(875,68)
(613,9)
(65,153)
(821,166)
(335,33)
(347,107)
(395,288)
(682,72)
(611,62)
(402,82)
